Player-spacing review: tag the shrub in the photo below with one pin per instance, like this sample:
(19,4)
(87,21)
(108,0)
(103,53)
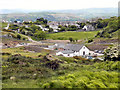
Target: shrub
(90,40)
(24,39)
(6,53)
(18,36)
(52,64)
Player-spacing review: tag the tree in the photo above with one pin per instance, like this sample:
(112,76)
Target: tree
(76,40)
(45,21)
(50,30)
(59,26)
(40,35)
(23,32)
(111,53)
(63,29)
(71,39)
(46,26)
(18,36)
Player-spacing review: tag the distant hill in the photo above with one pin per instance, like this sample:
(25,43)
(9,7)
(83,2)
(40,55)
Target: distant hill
(59,15)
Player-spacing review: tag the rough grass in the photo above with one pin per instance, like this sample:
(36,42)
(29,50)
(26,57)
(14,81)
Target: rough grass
(74,35)
(20,50)
(69,75)
(3,24)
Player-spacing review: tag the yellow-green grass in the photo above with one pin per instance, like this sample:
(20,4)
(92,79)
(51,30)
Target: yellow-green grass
(15,34)
(74,35)
(3,24)
(19,50)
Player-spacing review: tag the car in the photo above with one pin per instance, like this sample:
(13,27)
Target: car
(89,57)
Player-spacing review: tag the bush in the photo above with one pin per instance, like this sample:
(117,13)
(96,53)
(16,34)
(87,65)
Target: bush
(90,40)
(18,36)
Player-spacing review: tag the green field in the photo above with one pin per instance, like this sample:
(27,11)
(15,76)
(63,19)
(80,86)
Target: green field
(74,35)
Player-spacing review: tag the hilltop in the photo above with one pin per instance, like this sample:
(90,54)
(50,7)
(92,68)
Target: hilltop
(59,15)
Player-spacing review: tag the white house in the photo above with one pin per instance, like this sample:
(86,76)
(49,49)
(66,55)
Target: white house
(88,28)
(43,29)
(7,27)
(71,50)
(55,31)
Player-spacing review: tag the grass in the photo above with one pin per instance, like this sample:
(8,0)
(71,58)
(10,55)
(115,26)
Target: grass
(3,24)
(19,50)
(70,74)
(74,35)
(15,34)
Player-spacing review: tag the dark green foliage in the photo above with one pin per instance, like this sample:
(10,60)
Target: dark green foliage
(14,27)
(81,25)
(71,39)
(18,36)
(90,40)
(62,29)
(41,35)
(5,53)
(50,30)
(24,39)
(52,64)
(109,26)
(41,21)
(72,73)
(112,53)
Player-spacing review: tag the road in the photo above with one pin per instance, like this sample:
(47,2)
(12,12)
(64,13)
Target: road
(30,39)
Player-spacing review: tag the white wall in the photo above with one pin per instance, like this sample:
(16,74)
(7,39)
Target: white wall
(84,49)
(80,53)
(65,55)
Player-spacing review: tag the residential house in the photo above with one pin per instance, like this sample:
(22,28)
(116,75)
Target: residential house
(43,29)
(88,28)
(7,27)
(70,50)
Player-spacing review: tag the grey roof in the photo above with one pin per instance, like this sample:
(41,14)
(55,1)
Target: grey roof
(67,51)
(61,45)
(73,47)
(90,27)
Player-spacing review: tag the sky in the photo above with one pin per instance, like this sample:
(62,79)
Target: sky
(57,4)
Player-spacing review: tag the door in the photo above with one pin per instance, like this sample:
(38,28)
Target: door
(83,52)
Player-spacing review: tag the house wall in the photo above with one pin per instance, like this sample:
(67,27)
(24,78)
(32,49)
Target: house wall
(80,53)
(84,49)
(59,53)
(65,55)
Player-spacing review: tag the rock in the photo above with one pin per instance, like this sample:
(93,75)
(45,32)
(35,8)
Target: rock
(12,78)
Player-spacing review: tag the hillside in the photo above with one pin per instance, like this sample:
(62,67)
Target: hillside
(25,69)
(59,15)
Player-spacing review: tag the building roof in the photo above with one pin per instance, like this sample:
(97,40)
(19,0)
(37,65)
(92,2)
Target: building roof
(67,52)
(73,47)
(60,45)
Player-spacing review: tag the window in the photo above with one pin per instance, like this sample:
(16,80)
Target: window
(89,53)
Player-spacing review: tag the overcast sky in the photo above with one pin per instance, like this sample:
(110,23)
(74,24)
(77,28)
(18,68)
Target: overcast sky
(56,4)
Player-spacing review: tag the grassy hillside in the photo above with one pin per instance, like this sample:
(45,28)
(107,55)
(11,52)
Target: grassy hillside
(34,70)
(74,35)
(3,24)
(59,15)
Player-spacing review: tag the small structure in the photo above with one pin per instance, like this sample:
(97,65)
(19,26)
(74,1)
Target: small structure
(7,27)
(88,28)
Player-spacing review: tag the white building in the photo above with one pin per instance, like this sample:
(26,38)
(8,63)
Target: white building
(7,27)
(71,50)
(88,28)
